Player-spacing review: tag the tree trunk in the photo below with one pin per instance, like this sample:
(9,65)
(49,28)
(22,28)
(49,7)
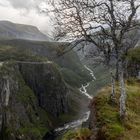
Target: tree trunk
(126,75)
(123,92)
(112,96)
(117,71)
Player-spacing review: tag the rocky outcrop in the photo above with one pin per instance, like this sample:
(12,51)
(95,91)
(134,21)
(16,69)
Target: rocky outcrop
(93,119)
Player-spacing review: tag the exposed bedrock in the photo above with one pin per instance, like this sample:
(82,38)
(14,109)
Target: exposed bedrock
(48,85)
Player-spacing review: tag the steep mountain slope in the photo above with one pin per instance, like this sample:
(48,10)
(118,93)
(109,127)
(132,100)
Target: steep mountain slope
(9,30)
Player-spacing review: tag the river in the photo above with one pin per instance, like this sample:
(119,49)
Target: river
(77,123)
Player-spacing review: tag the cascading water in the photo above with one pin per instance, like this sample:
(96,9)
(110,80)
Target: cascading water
(85,116)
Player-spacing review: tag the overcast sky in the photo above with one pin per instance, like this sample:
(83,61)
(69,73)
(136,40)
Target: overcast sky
(25,12)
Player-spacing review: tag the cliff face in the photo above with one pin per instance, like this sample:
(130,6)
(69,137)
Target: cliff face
(7,87)
(48,85)
(29,94)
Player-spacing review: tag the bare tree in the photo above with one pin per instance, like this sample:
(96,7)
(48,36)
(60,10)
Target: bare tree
(105,23)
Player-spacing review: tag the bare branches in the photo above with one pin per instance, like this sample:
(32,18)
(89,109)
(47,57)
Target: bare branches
(104,23)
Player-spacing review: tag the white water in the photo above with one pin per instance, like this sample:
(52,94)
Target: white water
(85,117)
(30,62)
(1,63)
(83,90)
(74,124)
(91,72)
(7,92)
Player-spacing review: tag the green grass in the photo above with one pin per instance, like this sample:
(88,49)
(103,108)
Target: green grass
(111,128)
(79,134)
(134,55)
(9,53)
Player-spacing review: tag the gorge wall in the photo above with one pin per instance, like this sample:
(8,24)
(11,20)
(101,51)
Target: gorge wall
(29,95)
(48,85)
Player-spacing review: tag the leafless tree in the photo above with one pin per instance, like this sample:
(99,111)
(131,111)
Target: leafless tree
(105,23)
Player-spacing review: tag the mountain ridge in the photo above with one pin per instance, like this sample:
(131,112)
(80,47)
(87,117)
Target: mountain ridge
(10,30)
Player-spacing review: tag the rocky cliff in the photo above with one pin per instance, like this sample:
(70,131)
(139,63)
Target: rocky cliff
(48,85)
(30,96)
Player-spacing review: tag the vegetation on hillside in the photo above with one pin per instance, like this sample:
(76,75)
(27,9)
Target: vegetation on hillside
(108,121)
(134,55)
(79,134)
(9,53)
(133,58)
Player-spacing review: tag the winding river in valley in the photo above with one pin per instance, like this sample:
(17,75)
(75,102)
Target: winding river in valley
(85,116)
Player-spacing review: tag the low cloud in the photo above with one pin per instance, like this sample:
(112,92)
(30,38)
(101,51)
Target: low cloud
(25,12)
(24,4)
